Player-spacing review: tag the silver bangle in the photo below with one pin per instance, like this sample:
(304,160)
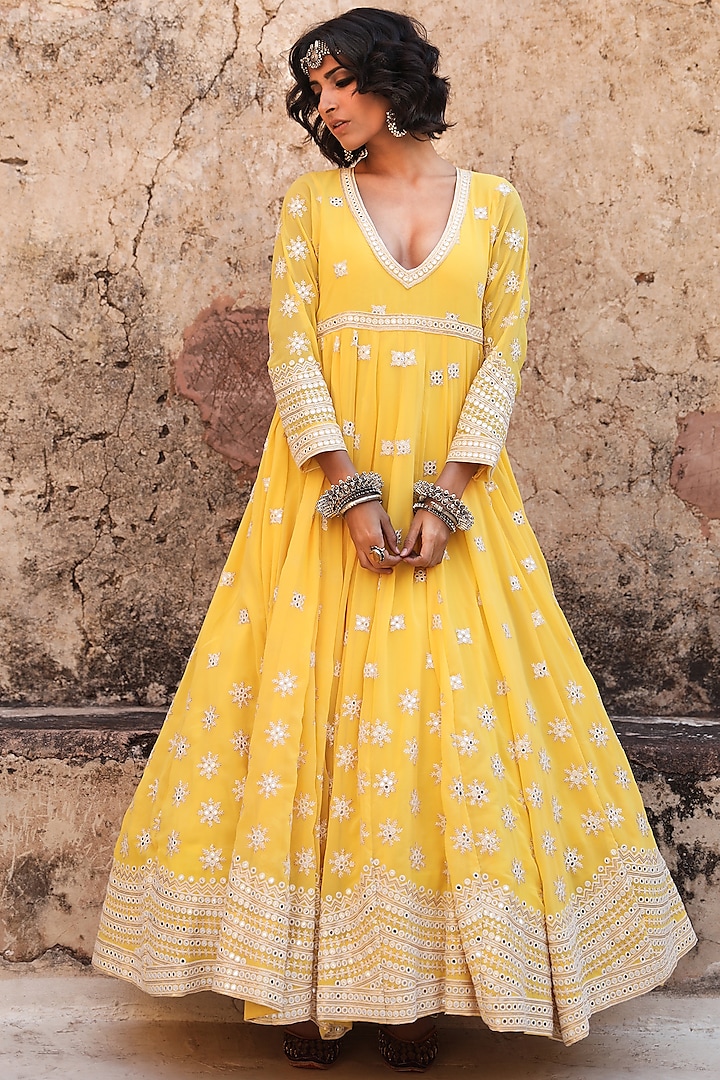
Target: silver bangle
(338,497)
(444,500)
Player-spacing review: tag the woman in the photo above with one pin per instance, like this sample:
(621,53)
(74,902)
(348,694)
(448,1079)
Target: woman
(387,787)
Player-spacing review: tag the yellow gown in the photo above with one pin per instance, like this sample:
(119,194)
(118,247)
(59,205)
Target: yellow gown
(378,798)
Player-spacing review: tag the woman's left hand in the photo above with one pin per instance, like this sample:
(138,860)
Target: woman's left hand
(426,540)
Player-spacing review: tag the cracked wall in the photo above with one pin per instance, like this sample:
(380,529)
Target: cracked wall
(143,155)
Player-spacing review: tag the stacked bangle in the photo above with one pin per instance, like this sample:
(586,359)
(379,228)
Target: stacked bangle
(352,491)
(444,505)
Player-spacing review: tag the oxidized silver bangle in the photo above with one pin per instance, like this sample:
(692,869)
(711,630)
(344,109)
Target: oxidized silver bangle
(358,502)
(337,498)
(432,508)
(445,500)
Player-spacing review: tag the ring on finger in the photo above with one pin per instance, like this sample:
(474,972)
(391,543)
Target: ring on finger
(379,551)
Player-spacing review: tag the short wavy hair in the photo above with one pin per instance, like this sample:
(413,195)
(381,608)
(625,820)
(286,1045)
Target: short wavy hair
(388,54)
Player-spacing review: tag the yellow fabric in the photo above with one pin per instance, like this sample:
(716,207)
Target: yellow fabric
(375,799)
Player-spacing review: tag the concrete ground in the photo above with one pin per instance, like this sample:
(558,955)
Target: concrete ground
(59,1020)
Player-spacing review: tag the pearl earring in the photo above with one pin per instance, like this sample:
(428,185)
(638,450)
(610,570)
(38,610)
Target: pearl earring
(392,125)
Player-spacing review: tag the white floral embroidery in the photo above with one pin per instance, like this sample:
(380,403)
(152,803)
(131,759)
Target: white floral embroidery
(305,860)
(243,615)
(518,517)
(437,622)
(435,723)
(389,831)
(456,682)
(241,742)
(385,783)
(277,733)
(592,823)
(210,812)
(487,717)
(298,344)
(303,806)
(614,815)
(466,744)
(515,350)
(560,729)
(509,819)
(209,766)
(477,793)
(341,808)
(276,516)
(515,585)
(502,688)
(463,839)
(622,778)
(305,291)
(557,810)
(504,188)
(480,212)
(288,306)
(599,735)
(497,766)
(537,618)
(488,841)
(370,671)
(179,745)
(173,842)
(211,858)
(540,670)
(574,692)
(227,577)
(576,776)
(397,622)
(492,272)
(180,793)
(437,377)
(362,622)
(409,701)
(336,200)
(258,837)
(340,268)
(284,683)
(239,789)
(402,359)
(297,249)
(341,863)
(351,706)
(453,371)
(280,268)
(364,352)
(417,858)
(379,309)
(412,750)
(642,824)
(297,206)
(573,860)
(402,446)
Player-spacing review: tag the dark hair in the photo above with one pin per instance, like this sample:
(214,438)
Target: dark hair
(388,54)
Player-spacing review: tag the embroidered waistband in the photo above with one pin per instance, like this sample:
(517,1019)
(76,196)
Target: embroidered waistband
(363,320)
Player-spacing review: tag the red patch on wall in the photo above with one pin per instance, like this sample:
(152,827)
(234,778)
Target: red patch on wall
(695,473)
(223,369)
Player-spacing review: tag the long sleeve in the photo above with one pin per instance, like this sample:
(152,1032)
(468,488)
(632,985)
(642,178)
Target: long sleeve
(483,424)
(303,399)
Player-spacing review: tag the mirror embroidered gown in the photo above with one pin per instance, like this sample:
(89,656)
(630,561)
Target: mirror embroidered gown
(374,799)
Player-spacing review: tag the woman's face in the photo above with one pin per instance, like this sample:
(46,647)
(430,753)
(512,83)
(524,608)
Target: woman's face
(354,119)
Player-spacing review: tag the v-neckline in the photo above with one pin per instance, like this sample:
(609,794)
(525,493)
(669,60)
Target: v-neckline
(409,277)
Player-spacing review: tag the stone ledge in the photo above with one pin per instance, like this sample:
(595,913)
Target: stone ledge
(680,745)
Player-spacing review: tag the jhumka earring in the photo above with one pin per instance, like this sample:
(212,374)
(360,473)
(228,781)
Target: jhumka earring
(392,125)
(314,57)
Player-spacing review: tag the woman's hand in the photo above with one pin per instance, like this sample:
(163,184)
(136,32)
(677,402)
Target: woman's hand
(426,540)
(370,526)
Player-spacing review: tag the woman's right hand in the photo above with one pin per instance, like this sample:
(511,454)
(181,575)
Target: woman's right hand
(370,526)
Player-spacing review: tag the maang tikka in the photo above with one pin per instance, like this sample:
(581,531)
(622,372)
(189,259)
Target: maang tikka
(315,55)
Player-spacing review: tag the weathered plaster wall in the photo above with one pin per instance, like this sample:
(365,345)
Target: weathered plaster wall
(143,153)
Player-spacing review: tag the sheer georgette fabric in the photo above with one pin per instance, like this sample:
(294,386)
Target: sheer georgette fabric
(374,799)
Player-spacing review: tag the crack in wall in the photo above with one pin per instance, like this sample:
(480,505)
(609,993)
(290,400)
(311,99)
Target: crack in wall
(196,100)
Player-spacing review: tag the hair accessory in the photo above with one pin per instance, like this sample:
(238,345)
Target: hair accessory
(444,505)
(392,125)
(315,55)
(352,491)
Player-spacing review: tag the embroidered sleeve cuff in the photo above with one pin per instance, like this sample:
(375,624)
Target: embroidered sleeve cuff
(485,417)
(306,409)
